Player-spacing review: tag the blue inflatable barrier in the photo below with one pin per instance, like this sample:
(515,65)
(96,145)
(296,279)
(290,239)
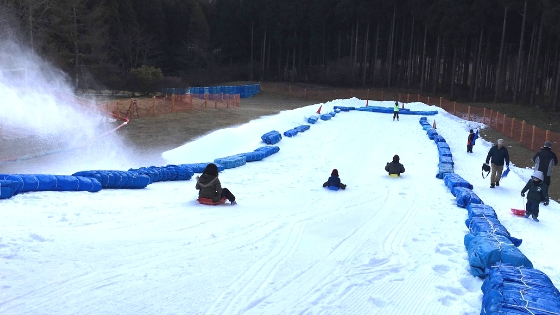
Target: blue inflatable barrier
(271,137)
(43,182)
(345,108)
(431,132)
(199,167)
(454,180)
(231,161)
(444,168)
(439,138)
(332,113)
(117,179)
(326,117)
(8,188)
(518,290)
(480,210)
(466,197)
(268,150)
(443,145)
(290,133)
(253,156)
(313,119)
(302,128)
(490,225)
(166,173)
(486,250)
(445,152)
(446,159)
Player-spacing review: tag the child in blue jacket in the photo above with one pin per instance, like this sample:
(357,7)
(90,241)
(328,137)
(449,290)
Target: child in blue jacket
(334,180)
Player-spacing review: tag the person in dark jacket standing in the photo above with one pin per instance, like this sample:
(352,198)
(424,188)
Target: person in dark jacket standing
(209,185)
(537,191)
(334,180)
(544,160)
(498,154)
(395,167)
(396,111)
(470,141)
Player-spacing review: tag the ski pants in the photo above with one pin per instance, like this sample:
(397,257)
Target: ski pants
(226,193)
(396,115)
(496,173)
(532,207)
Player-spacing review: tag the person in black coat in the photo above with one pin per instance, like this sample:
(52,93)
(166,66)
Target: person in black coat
(334,180)
(395,167)
(470,141)
(498,154)
(544,160)
(537,192)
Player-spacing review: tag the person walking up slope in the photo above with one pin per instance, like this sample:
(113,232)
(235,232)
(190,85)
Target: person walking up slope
(544,160)
(537,191)
(470,141)
(498,154)
(396,111)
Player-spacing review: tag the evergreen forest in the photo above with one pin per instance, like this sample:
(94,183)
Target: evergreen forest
(467,50)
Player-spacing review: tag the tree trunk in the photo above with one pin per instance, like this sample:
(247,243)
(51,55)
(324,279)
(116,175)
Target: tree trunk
(263,54)
(536,65)
(374,63)
(365,56)
(517,80)
(409,68)
(390,48)
(453,73)
(497,87)
(252,40)
(422,73)
(437,63)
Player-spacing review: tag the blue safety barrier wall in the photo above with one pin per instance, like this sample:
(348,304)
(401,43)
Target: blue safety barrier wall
(511,285)
(244,91)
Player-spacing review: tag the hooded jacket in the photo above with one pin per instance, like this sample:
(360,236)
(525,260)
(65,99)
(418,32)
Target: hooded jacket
(210,187)
(544,160)
(537,191)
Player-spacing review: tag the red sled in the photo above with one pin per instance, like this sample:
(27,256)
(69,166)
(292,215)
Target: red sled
(518,212)
(208,201)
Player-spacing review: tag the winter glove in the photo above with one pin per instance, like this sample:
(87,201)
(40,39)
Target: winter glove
(545,202)
(325,184)
(522,194)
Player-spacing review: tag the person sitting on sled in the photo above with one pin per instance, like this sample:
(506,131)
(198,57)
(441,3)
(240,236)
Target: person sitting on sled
(394,168)
(209,185)
(537,191)
(334,180)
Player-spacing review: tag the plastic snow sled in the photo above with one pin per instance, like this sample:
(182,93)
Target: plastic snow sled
(518,212)
(394,175)
(333,187)
(208,201)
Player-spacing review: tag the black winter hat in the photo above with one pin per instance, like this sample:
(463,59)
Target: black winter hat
(334,172)
(211,169)
(396,158)
(548,144)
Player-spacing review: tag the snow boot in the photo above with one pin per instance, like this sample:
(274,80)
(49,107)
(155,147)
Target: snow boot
(233,203)
(535,219)
(492,185)
(498,183)
(527,214)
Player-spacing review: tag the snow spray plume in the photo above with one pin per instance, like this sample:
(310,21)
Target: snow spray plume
(37,105)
